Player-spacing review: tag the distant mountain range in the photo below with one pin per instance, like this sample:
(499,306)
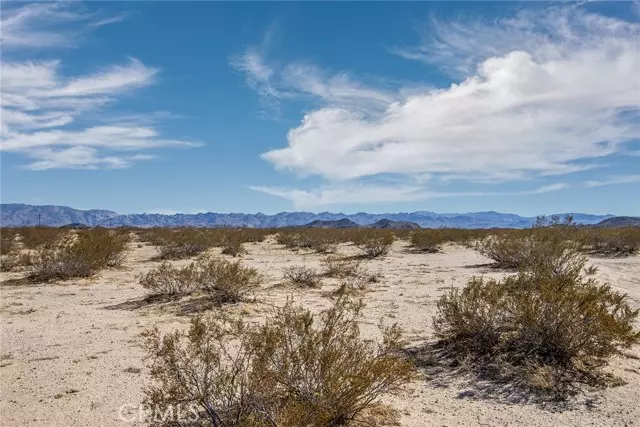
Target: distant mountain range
(14,215)
(620,221)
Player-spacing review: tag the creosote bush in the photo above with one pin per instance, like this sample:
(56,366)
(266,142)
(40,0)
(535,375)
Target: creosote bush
(339,267)
(375,245)
(232,244)
(532,249)
(9,250)
(302,276)
(171,281)
(611,241)
(184,243)
(79,255)
(319,240)
(298,369)
(540,329)
(227,282)
(427,240)
(8,242)
(37,237)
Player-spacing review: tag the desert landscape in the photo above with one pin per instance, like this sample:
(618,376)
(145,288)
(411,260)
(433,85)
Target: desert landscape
(319,214)
(73,353)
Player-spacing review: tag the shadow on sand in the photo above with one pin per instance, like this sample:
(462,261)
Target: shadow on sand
(185,306)
(477,381)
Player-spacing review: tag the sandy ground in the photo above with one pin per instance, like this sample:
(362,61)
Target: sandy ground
(70,353)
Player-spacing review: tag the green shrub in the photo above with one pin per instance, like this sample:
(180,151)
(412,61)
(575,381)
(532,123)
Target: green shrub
(36,237)
(299,369)
(171,281)
(225,281)
(79,256)
(565,326)
(541,249)
(185,243)
(8,242)
(232,244)
(611,241)
(321,240)
(228,282)
(427,240)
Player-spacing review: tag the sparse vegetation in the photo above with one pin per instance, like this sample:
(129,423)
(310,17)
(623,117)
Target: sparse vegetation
(321,241)
(538,324)
(375,245)
(532,250)
(298,369)
(232,244)
(427,240)
(339,267)
(171,281)
(302,276)
(184,243)
(611,241)
(37,237)
(79,255)
(225,281)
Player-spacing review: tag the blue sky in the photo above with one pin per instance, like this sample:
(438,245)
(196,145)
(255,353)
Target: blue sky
(244,107)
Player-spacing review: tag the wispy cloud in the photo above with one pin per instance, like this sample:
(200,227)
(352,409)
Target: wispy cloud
(49,24)
(107,21)
(376,194)
(39,104)
(544,93)
(276,82)
(613,180)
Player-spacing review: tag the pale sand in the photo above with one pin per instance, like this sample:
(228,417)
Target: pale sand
(67,347)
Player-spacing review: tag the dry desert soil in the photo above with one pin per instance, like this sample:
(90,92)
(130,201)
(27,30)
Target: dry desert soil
(71,353)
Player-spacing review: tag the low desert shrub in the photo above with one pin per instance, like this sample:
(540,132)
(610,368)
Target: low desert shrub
(15,260)
(232,244)
(321,241)
(36,237)
(171,281)
(302,276)
(536,322)
(375,245)
(298,369)
(9,251)
(79,256)
(611,241)
(354,285)
(339,267)
(185,243)
(540,249)
(8,242)
(427,240)
(103,247)
(226,281)
(288,239)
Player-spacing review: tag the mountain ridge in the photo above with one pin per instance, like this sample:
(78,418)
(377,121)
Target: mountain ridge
(18,214)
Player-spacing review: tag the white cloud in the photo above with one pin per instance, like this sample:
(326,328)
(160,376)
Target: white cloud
(374,194)
(39,105)
(298,80)
(48,24)
(545,93)
(614,180)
